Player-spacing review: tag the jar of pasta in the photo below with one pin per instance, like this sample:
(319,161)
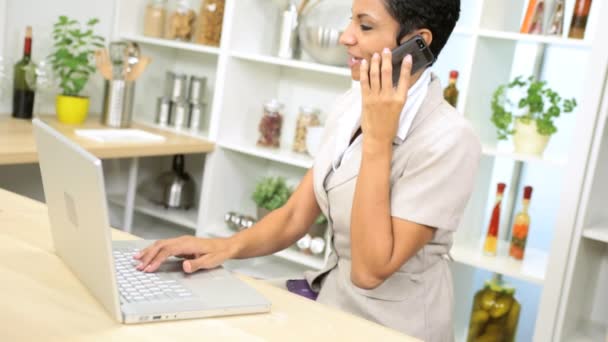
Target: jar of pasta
(308,117)
(154,18)
(180,24)
(209,22)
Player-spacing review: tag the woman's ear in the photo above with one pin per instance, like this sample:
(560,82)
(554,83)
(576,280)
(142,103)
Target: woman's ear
(427,35)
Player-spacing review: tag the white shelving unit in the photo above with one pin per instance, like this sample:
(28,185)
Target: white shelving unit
(596,233)
(486,47)
(184,218)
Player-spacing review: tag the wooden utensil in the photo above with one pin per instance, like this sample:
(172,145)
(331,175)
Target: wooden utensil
(103,63)
(138,68)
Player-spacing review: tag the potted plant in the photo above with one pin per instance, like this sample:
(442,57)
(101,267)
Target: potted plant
(73,62)
(539,106)
(270,193)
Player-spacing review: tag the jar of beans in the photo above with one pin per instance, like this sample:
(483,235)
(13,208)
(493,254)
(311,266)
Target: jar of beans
(308,117)
(270,125)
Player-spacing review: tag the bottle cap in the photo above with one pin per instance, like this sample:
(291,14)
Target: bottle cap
(28,32)
(273,105)
(453,74)
(527,192)
(501,187)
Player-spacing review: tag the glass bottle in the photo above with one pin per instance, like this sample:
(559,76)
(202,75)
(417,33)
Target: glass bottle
(490,244)
(308,117)
(209,22)
(154,18)
(556,24)
(579,19)
(450,93)
(270,125)
(495,313)
(180,24)
(535,16)
(23,93)
(521,227)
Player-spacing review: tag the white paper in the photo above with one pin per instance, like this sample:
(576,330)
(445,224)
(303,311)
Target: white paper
(119,135)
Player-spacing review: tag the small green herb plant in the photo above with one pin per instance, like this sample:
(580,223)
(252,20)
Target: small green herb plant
(271,193)
(73,54)
(540,102)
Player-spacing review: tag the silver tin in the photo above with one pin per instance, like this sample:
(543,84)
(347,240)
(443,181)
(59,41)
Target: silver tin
(118,99)
(179,114)
(196,89)
(163,110)
(175,86)
(196,113)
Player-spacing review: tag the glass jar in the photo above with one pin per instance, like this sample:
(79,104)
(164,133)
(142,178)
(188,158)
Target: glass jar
(154,18)
(180,24)
(495,313)
(270,125)
(209,22)
(308,117)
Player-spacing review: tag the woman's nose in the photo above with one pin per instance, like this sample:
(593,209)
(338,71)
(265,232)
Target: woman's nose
(348,38)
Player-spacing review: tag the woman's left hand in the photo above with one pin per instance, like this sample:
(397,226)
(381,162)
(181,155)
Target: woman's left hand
(382,103)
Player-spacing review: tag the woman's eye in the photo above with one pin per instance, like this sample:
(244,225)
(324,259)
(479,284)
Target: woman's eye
(365,28)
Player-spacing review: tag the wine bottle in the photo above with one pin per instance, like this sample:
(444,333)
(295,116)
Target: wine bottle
(491,242)
(521,228)
(579,19)
(23,94)
(450,93)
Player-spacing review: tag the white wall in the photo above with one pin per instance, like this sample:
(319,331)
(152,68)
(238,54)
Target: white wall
(41,15)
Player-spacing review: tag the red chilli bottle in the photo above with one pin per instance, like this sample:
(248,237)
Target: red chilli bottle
(490,244)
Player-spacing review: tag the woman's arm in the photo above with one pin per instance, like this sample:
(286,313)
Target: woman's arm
(380,244)
(276,231)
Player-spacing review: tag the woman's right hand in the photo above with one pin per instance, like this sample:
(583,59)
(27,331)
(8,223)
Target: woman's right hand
(200,253)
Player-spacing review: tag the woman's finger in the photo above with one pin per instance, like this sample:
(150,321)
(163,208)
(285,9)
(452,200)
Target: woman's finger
(374,74)
(206,261)
(387,70)
(364,76)
(406,75)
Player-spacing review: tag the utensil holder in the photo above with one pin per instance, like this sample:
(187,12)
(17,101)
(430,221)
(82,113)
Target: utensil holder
(118,103)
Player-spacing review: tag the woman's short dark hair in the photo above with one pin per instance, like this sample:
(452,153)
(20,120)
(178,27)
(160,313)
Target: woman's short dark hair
(438,16)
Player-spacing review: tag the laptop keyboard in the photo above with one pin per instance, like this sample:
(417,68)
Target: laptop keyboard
(135,286)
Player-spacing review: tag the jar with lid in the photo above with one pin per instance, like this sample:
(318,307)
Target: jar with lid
(154,18)
(271,124)
(495,313)
(180,24)
(209,22)
(308,117)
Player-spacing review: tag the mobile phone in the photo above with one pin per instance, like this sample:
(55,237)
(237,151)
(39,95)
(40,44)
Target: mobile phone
(421,56)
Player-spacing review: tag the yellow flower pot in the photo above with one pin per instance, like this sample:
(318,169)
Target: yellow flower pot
(72,110)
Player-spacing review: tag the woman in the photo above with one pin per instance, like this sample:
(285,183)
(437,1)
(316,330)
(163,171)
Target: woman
(393,175)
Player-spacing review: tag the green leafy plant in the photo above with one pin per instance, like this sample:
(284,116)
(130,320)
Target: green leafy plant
(321,219)
(73,55)
(271,193)
(540,104)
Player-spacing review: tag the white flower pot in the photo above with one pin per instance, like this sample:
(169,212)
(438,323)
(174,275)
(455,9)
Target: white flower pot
(527,140)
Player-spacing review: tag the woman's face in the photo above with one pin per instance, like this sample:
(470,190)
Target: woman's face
(371,29)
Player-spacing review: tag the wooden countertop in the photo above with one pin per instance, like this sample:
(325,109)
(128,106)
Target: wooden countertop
(17,144)
(43,301)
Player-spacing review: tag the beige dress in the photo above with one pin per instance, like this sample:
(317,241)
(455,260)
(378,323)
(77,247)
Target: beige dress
(432,176)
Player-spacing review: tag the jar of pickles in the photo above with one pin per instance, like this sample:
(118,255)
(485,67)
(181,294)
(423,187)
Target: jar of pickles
(495,313)
(271,124)
(308,117)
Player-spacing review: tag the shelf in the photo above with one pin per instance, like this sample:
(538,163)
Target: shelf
(493,151)
(533,38)
(596,233)
(290,63)
(174,44)
(284,156)
(588,332)
(531,269)
(184,218)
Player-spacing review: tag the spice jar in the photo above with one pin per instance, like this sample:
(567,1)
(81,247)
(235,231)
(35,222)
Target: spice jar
(270,125)
(180,24)
(495,313)
(308,117)
(209,23)
(154,18)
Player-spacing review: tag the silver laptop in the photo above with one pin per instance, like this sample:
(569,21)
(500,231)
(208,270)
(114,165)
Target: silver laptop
(75,194)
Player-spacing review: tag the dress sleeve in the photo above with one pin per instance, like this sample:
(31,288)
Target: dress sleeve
(437,182)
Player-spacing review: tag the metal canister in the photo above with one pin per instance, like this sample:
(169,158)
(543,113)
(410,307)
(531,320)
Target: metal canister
(163,110)
(175,86)
(196,90)
(179,114)
(118,101)
(196,113)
